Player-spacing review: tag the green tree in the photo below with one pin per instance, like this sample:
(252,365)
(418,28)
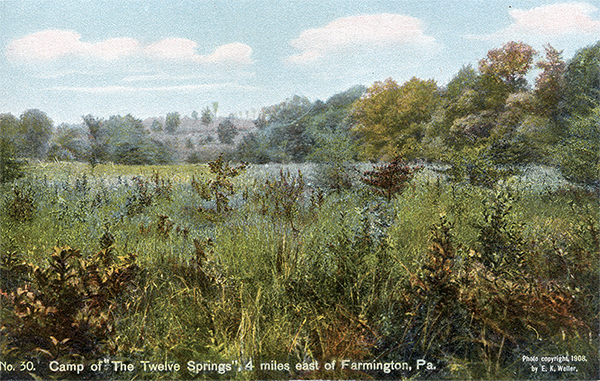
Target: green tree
(195,115)
(97,139)
(207,116)
(464,80)
(35,129)
(254,148)
(10,166)
(284,127)
(582,82)
(285,113)
(579,154)
(156,126)
(390,118)
(550,83)
(172,122)
(67,143)
(226,131)
(130,144)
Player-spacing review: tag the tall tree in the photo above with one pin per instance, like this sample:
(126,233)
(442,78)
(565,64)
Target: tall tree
(172,122)
(390,117)
(206,117)
(67,143)
(550,83)
(582,82)
(226,131)
(509,64)
(35,130)
(156,126)
(97,138)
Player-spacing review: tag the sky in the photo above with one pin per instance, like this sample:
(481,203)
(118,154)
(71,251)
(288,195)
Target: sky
(148,58)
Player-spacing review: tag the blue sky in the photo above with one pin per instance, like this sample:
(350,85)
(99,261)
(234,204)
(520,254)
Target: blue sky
(148,58)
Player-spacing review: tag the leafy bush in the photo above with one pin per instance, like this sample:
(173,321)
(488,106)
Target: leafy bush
(65,310)
(220,188)
(22,206)
(10,167)
(477,168)
(390,179)
(580,153)
(281,198)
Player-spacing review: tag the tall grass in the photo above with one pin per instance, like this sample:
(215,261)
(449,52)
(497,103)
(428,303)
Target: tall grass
(468,278)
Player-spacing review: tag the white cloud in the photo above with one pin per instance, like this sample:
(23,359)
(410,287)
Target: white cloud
(114,48)
(235,53)
(52,44)
(172,48)
(357,32)
(556,20)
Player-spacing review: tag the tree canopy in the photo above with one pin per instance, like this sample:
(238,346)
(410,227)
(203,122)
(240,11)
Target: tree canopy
(390,117)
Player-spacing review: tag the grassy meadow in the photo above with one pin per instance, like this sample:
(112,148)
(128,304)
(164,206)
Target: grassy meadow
(190,272)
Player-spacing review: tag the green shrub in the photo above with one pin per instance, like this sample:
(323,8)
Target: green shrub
(220,188)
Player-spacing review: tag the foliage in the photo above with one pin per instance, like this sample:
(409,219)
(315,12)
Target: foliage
(220,188)
(226,131)
(284,113)
(582,81)
(207,116)
(65,310)
(470,265)
(156,126)
(98,140)
(10,166)
(508,64)
(289,274)
(124,140)
(391,178)
(550,83)
(296,130)
(172,122)
(282,198)
(390,117)
(465,79)
(580,151)
(476,167)
(147,192)
(67,143)
(35,129)
(21,206)
(254,148)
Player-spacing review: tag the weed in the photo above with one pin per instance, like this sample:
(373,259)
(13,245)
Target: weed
(22,205)
(391,178)
(66,310)
(281,198)
(220,188)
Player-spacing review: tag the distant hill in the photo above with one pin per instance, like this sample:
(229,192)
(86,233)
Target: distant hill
(192,137)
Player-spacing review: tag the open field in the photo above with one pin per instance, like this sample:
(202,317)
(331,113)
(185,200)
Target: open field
(269,275)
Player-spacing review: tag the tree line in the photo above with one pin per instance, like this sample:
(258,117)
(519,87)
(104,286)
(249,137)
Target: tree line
(486,115)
